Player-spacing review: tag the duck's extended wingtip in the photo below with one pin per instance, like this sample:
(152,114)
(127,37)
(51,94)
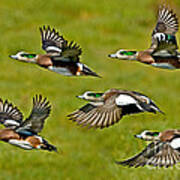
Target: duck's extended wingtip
(162,112)
(118,162)
(59,151)
(98,76)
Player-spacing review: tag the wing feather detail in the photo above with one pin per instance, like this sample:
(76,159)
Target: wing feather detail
(10,115)
(158,154)
(40,111)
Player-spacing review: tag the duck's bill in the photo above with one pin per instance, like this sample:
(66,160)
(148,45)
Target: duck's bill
(112,55)
(138,136)
(81,97)
(13,57)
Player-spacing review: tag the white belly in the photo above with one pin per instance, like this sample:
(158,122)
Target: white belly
(60,70)
(20,143)
(163,65)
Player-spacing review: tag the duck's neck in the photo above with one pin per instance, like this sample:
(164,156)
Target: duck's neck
(134,57)
(130,57)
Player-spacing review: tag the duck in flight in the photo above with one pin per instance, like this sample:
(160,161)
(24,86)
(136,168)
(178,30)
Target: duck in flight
(163,151)
(105,109)
(61,56)
(24,134)
(163,52)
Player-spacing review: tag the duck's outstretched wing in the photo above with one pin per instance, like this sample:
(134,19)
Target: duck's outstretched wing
(163,36)
(10,116)
(167,22)
(52,42)
(71,52)
(97,115)
(58,47)
(159,154)
(114,105)
(35,122)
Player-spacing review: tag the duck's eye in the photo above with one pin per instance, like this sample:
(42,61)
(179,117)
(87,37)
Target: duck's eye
(95,94)
(28,55)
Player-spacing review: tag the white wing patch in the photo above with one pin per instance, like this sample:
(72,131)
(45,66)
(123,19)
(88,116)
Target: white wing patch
(175,143)
(124,100)
(10,122)
(53,48)
(160,37)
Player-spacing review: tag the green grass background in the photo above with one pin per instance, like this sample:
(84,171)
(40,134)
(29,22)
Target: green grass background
(100,27)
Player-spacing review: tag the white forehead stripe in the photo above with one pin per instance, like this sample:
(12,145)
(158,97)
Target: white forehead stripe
(123,100)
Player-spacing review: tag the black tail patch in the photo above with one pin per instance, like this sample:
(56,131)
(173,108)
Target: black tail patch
(49,147)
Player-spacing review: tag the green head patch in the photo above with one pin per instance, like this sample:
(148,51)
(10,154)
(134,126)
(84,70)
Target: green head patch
(156,134)
(128,53)
(30,56)
(96,95)
(152,134)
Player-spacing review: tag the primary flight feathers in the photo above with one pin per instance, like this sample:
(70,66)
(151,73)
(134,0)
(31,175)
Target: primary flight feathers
(53,43)
(167,22)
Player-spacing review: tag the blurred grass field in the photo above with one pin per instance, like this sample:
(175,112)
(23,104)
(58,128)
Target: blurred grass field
(100,27)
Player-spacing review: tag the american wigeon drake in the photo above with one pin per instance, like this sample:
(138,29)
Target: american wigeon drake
(61,56)
(163,51)
(24,134)
(105,109)
(163,151)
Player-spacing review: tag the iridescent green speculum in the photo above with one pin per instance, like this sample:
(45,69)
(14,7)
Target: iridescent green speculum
(169,37)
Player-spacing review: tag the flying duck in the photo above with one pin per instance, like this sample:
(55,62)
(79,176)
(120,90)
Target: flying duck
(61,56)
(24,134)
(163,51)
(163,151)
(105,109)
